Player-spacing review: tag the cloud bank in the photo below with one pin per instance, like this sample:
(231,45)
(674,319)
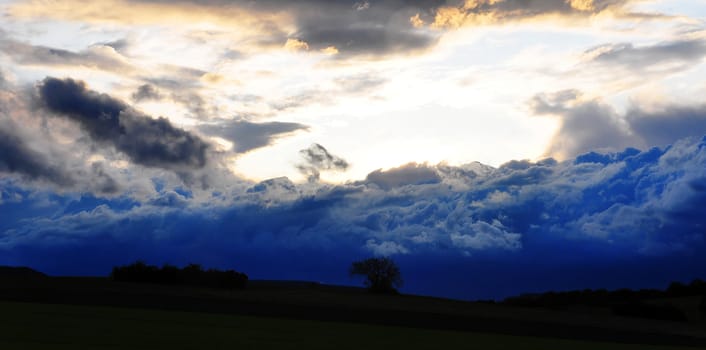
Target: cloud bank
(632,218)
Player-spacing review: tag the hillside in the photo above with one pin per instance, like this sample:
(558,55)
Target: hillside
(313,301)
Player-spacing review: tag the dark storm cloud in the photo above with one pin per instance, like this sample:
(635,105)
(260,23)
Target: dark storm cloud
(684,52)
(17,157)
(97,56)
(146,92)
(146,141)
(30,153)
(247,136)
(316,159)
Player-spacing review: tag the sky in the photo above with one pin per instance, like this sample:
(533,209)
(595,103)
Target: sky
(490,147)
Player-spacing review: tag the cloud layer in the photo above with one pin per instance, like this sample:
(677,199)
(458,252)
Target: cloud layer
(629,210)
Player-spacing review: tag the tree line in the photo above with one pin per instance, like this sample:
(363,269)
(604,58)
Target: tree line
(382,275)
(643,303)
(191,275)
(605,297)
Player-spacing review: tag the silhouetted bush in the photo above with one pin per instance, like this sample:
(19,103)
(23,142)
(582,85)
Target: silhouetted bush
(192,275)
(652,311)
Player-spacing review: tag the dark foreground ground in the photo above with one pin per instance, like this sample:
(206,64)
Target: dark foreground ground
(29,326)
(298,315)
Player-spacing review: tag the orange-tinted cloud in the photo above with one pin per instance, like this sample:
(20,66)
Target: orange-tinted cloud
(480,12)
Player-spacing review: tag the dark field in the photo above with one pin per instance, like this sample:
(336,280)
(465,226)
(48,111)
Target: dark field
(44,326)
(100,313)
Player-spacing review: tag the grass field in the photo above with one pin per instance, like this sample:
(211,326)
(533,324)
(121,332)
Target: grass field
(47,326)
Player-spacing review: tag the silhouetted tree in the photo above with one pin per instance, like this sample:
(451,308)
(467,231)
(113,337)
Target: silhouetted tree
(381,274)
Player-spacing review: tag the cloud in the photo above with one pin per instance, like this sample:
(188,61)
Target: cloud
(316,159)
(296,45)
(184,83)
(346,28)
(585,125)
(385,248)
(484,236)
(120,45)
(146,141)
(592,125)
(16,156)
(665,125)
(381,28)
(363,39)
(360,84)
(98,56)
(409,174)
(146,92)
(475,12)
(247,136)
(352,28)
(671,55)
(354,85)
(343,28)
(35,153)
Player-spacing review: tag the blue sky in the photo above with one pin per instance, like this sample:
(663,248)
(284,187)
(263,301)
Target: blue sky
(491,147)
